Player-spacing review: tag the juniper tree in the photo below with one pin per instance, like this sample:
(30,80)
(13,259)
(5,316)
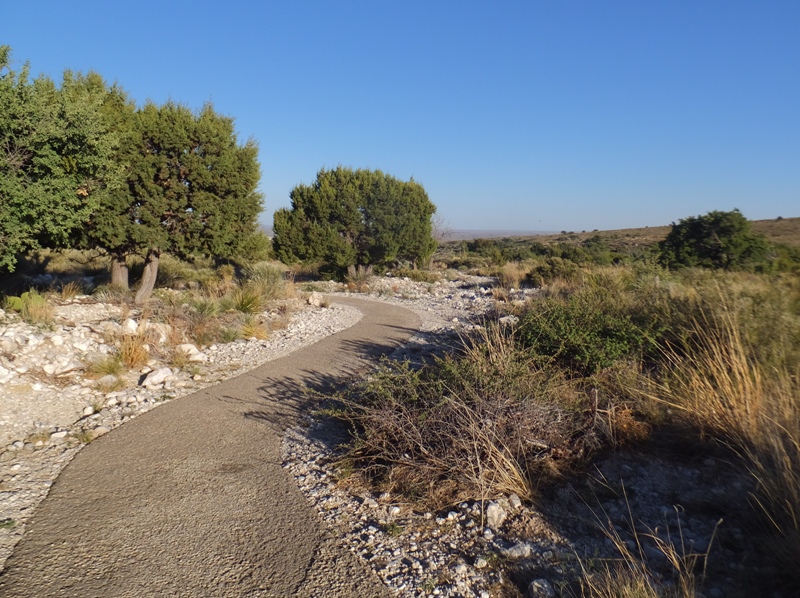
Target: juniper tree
(355,217)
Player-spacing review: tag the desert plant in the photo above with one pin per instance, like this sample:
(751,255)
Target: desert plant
(134,351)
(109,365)
(247,300)
(71,289)
(32,307)
(510,274)
(358,278)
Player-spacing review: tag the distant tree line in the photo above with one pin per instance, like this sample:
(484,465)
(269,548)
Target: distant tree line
(82,167)
(716,240)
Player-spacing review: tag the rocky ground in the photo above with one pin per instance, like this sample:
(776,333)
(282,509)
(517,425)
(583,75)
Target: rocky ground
(50,407)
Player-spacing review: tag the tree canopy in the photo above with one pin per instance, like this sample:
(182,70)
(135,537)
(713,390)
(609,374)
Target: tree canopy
(81,166)
(56,158)
(356,217)
(715,240)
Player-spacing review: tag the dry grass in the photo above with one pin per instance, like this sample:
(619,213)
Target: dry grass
(134,350)
(110,365)
(719,383)
(358,278)
(71,289)
(511,274)
(488,421)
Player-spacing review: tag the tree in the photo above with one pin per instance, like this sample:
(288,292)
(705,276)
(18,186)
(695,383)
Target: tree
(56,158)
(355,217)
(715,240)
(190,191)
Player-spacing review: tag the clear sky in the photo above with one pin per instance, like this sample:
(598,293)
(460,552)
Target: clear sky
(521,115)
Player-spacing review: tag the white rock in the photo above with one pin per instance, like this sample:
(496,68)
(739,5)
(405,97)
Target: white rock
(541,588)
(515,501)
(192,353)
(88,411)
(57,340)
(495,515)
(157,377)
(520,550)
(129,326)
(316,299)
(49,369)
(58,435)
(509,320)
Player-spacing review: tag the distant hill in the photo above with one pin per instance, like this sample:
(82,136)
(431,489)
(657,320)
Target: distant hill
(468,235)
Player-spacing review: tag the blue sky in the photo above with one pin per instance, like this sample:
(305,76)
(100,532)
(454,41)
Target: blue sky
(514,115)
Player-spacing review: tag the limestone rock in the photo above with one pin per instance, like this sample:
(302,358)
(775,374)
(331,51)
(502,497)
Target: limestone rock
(192,353)
(316,299)
(495,515)
(157,377)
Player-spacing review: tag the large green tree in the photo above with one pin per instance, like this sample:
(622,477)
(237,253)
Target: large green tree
(716,240)
(56,158)
(190,190)
(356,217)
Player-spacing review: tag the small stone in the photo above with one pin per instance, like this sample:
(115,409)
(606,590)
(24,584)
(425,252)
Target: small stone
(394,510)
(49,369)
(129,326)
(515,501)
(520,550)
(316,299)
(157,377)
(509,320)
(100,431)
(481,562)
(540,588)
(58,435)
(88,411)
(495,515)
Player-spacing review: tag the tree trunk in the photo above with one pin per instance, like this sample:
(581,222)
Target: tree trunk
(148,276)
(119,272)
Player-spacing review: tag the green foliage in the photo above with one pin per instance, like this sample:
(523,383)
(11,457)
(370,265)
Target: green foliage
(553,268)
(356,217)
(32,307)
(57,160)
(580,334)
(716,240)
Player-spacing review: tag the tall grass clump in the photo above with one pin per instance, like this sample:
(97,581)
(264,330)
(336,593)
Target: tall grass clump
(736,390)
(358,278)
(268,279)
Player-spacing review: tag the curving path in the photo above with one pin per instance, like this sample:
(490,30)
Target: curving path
(190,499)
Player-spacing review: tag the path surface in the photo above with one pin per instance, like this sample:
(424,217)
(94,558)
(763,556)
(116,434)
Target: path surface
(190,499)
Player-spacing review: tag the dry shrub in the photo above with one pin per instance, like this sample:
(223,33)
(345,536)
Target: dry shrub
(110,365)
(254,328)
(511,274)
(487,421)
(134,350)
(71,289)
(358,278)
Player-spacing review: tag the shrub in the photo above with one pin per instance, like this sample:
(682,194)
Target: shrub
(32,307)
(489,420)
(551,269)
(716,240)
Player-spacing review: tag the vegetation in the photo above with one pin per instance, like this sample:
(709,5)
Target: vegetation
(356,218)
(716,240)
(82,167)
(606,356)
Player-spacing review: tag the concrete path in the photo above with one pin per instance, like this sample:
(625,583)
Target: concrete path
(190,499)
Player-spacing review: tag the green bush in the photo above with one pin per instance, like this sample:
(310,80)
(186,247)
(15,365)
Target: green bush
(553,268)
(716,240)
